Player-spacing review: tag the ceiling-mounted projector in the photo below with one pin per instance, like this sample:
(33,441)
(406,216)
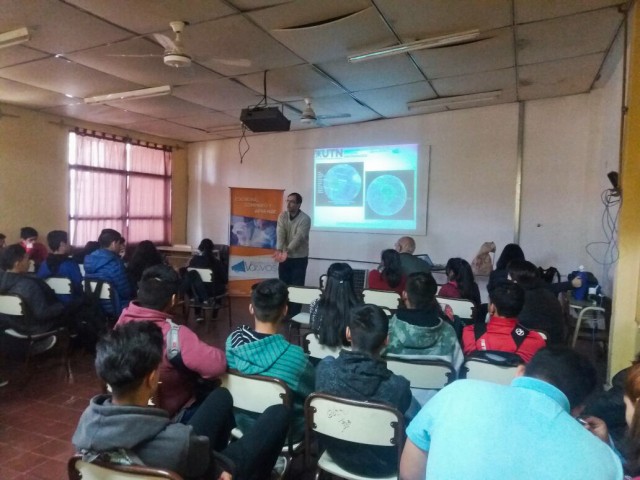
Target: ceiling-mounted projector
(265,119)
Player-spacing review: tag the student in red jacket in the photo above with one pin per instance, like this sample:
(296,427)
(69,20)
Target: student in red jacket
(177,392)
(503,332)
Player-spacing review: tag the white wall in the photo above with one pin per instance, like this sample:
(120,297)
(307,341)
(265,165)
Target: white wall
(569,143)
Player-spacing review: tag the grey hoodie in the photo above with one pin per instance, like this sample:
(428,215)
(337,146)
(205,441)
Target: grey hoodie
(146,431)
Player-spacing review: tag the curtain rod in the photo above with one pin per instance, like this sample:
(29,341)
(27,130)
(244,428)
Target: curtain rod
(119,138)
(61,123)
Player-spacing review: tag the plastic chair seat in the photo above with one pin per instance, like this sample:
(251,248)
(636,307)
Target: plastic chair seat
(327,464)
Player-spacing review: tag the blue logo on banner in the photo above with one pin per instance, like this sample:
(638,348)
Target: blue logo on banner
(239,267)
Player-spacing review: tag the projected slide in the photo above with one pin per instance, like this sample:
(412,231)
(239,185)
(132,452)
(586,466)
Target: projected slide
(366,188)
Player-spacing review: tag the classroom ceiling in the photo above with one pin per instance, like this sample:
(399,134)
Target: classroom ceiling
(526,49)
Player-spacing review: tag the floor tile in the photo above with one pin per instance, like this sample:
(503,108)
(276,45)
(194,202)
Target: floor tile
(25,462)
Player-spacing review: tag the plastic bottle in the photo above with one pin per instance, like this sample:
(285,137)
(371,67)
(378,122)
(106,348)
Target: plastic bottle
(581,293)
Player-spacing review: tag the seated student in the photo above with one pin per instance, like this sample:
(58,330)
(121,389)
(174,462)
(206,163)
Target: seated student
(503,332)
(144,256)
(59,264)
(360,374)
(541,309)
(106,264)
(262,351)
(47,310)
(388,275)
(177,393)
(526,430)
(329,315)
(36,251)
(460,282)
(421,330)
(128,359)
(88,249)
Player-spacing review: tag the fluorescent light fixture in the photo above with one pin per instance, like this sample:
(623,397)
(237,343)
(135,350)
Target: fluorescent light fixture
(432,42)
(457,100)
(133,94)
(14,37)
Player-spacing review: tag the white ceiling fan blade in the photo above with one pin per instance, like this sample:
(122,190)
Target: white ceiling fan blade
(135,55)
(165,41)
(231,62)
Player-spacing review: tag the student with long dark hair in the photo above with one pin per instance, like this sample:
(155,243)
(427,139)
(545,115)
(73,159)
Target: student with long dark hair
(144,256)
(461,282)
(388,275)
(512,251)
(330,313)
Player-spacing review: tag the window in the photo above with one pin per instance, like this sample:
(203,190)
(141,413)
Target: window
(120,184)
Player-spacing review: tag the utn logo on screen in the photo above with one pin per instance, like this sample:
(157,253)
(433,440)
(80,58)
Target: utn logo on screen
(372,188)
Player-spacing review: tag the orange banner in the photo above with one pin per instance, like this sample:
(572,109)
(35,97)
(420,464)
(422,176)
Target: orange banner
(252,237)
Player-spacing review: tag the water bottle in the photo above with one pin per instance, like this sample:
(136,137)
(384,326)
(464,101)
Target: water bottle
(581,293)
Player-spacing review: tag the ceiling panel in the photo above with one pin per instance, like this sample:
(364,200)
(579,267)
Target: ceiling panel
(235,37)
(62,76)
(562,77)
(565,37)
(56,27)
(300,13)
(31,97)
(222,94)
(477,82)
(144,70)
(163,128)
(161,107)
(493,51)
(383,72)
(533,10)
(144,17)
(292,83)
(206,121)
(98,113)
(248,5)
(19,54)
(418,19)
(392,101)
(337,39)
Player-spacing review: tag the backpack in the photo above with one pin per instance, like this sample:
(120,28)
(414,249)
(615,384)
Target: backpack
(549,275)
(89,318)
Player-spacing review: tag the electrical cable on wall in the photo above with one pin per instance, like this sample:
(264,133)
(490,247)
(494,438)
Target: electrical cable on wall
(243,138)
(611,199)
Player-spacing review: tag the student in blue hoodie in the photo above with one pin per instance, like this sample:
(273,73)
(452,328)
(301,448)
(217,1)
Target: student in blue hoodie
(106,264)
(60,264)
(261,350)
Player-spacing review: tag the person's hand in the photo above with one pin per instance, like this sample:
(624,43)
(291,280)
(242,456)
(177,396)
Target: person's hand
(225,476)
(597,426)
(279,256)
(576,282)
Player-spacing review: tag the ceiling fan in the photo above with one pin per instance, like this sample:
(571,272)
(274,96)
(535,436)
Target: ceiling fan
(309,116)
(177,55)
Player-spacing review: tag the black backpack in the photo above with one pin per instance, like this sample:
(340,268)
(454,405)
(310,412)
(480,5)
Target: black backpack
(89,318)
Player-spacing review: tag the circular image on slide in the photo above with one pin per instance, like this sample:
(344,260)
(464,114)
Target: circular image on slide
(386,195)
(342,184)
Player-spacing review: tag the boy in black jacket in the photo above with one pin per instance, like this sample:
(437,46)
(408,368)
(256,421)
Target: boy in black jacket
(360,374)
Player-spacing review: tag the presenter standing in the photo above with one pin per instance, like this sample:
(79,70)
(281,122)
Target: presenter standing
(293,243)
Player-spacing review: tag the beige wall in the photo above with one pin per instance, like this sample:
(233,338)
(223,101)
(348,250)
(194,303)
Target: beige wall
(34,179)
